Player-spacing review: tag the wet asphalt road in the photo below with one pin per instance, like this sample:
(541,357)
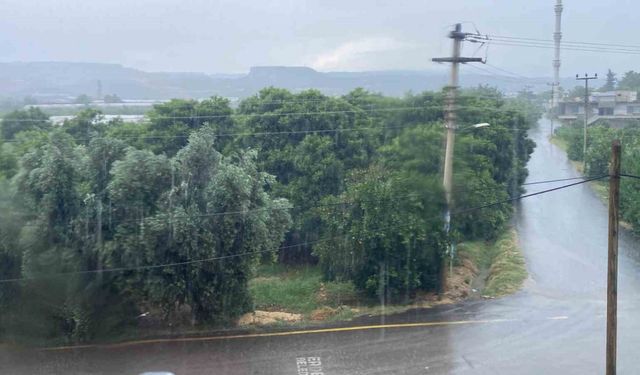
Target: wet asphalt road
(555,325)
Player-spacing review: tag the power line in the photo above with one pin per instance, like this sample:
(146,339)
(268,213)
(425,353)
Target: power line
(537,80)
(169,217)
(550,41)
(500,187)
(503,77)
(277,114)
(526,196)
(290,132)
(265,114)
(630,176)
(183,263)
(544,46)
(562,179)
(306,243)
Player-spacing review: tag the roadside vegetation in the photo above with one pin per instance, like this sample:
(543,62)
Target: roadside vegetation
(295,201)
(597,162)
(497,268)
(502,260)
(599,138)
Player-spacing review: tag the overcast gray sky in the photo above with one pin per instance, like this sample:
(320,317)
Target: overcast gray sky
(232,35)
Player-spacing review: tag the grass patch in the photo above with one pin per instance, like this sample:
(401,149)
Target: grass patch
(503,260)
(480,253)
(297,290)
(508,270)
(561,143)
(338,293)
(601,188)
(301,290)
(280,289)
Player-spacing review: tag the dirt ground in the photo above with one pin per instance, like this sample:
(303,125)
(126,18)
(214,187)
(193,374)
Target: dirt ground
(262,318)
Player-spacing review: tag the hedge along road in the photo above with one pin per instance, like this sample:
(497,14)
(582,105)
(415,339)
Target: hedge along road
(555,325)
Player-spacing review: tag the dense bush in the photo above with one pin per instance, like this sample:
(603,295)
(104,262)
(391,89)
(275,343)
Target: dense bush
(598,155)
(105,220)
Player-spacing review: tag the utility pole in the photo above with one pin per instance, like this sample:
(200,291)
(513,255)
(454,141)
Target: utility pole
(586,80)
(553,104)
(612,272)
(450,124)
(557,38)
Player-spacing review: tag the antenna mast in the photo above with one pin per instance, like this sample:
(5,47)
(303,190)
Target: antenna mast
(557,37)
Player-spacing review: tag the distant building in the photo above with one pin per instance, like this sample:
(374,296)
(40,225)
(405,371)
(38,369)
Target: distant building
(138,119)
(614,106)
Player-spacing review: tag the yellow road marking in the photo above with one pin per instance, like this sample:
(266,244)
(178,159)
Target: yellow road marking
(285,333)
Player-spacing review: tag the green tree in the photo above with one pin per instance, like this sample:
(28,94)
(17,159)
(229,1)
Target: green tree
(610,83)
(630,81)
(133,134)
(186,224)
(47,184)
(8,161)
(598,150)
(112,99)
(23,120)
(578,92)
(385,233)
(11,223)
(171,123)
(85,125)
(309,142)
(83,99)
(418,152)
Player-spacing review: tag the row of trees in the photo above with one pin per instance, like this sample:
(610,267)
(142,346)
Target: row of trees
(104,220)
(629,81)
(598,156)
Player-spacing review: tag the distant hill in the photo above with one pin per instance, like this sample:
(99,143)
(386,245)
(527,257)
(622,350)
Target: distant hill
(59,81)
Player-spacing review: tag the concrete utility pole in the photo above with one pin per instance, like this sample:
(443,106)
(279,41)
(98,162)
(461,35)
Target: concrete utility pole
(586,79)
(557,37)
(552,110)
(612,272)
(450,124)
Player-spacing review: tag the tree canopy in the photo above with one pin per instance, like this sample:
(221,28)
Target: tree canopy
(104,220)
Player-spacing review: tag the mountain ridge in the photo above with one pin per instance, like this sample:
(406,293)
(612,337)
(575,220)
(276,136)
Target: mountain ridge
(59,80)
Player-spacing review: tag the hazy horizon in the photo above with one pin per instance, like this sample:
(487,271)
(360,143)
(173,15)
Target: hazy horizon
(232,36)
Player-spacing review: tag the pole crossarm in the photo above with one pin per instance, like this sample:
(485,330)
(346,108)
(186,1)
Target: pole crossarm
(461,60)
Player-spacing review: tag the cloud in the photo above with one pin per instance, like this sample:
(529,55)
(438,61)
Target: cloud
(357,53)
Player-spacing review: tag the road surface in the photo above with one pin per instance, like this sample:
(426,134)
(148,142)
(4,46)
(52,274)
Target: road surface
(555,325)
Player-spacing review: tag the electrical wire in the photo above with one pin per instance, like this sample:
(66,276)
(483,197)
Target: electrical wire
(509,200)
(500,77)
(551,41)
(544,46)
(302,208)
(291,132)
(187,262)
(282,114)
(630,176)
(500,187)
(519,76)
(266,114)
(306,243)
